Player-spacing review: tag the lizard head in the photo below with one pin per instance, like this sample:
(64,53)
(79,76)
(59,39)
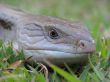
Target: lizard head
(56,40)
(46,37)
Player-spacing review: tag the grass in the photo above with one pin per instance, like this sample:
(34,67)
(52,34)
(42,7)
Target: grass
(93,13)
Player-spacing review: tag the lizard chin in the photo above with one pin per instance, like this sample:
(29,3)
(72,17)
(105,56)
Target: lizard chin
(56,57)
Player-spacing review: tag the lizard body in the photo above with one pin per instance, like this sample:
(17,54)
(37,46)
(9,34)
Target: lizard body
(46,37)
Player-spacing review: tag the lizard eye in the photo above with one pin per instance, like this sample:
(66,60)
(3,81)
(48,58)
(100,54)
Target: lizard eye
(53,34)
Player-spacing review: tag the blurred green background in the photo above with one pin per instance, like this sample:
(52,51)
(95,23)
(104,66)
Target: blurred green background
(78,10)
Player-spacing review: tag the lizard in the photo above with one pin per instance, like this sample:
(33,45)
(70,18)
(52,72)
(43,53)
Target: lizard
(46,37)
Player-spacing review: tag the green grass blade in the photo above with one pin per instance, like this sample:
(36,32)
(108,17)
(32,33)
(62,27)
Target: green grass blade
(66,75)
(99,74)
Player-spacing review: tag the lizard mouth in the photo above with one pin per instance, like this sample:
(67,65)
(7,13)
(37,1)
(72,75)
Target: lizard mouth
(59,51)
(57,56)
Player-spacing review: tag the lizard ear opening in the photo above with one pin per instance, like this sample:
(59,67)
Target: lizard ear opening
(8,16)
(6,24)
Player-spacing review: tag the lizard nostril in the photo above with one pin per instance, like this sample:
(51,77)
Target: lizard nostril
(82,44)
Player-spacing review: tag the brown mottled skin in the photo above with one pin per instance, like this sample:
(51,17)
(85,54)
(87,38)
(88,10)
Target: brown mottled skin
(45,37)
